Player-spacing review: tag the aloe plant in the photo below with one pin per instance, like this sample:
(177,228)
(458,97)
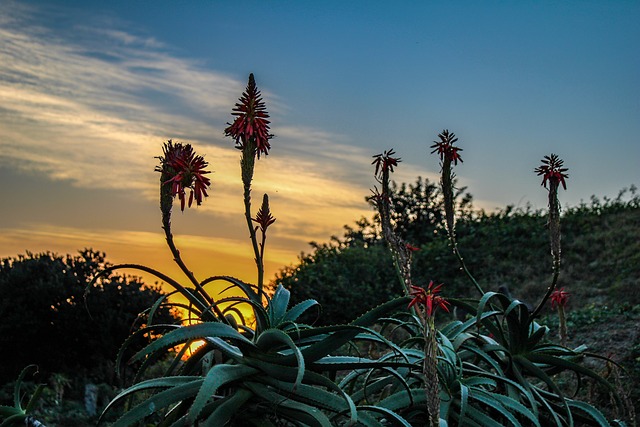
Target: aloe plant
(19,414)
(255,363)
(280,368)
(498,367)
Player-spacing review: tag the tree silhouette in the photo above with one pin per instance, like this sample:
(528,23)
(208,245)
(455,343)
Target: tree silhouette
(47,321)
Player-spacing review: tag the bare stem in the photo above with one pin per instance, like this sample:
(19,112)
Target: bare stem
(430,366)
(552,287)
(449,208)
(178,260)
(398,249)
(563,325)
(554,236)
(247,164)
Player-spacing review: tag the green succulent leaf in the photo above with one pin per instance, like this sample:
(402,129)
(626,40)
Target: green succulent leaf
(504,406)
(541,375)
(272,337)
(218,376)
(190,332)
(16,390)
(164,382)
(277,307)
(555,361)
(153,329)
(158,401)
(403,399)
(479,416)
(389,415)
(594,413)
(227,408)
(7,411)
(298,411)
(13,419)
(297,310)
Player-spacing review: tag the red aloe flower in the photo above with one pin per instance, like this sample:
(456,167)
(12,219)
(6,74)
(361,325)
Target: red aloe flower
(429,298)
(384,161)
(184,169)
(552,170)
(264,217)
(251,120)
(559,297)
(445,147)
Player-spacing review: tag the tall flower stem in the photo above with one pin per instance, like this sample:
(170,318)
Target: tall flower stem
(180,168)
(430,369)
(562,320)
(550,289)
(463,265)
(247,163)
(553,172)
(426,302)
(166,226)
(430,366)
(400,252)
(401,255)
(448,154)
(178,260)
(250,130)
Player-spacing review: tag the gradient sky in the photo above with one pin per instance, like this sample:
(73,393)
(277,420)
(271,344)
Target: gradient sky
(90,90)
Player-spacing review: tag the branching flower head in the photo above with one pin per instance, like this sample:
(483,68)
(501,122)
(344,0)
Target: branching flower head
(552,171)
(250,125)
(559,297)
(429,298)
(183,169)
(445,148)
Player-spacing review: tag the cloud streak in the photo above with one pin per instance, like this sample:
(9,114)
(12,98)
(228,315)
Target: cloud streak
(92,106)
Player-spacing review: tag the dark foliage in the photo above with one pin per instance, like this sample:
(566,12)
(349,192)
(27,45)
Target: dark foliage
(510,247)
(46,320)
(349,276)
(354,272)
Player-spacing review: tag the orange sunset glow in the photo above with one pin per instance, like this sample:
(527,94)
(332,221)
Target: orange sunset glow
(88,95)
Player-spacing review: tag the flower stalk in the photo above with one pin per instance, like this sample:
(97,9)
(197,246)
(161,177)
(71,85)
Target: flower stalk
(449,154)
(426,302)
(247,165)
(250,130)
(180,168)
(552,172)
(400,251)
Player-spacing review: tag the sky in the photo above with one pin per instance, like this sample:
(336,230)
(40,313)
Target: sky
(89,91)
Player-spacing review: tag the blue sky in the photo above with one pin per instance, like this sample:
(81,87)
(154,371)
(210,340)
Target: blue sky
(89,91)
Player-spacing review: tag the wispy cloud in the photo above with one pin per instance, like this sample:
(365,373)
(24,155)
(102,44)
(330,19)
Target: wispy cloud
(92,106)
(95,113)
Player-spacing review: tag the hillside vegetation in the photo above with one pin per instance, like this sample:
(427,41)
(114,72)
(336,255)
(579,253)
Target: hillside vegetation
(600,265)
